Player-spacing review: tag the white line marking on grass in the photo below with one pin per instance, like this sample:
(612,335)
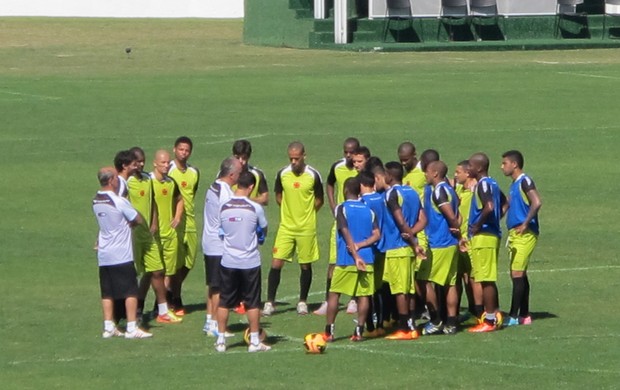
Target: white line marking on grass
(426,355)
(576,269)
(43,97)
(596,76)
(227,140)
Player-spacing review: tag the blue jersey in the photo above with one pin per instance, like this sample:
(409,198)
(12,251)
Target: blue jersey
(406,199)
(376,202)
(437,229)
(520,204)
(486,189)
(356,216)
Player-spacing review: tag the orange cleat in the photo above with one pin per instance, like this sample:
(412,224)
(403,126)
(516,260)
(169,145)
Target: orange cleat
(482,328)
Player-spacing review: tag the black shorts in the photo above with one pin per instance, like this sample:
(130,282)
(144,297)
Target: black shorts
(213,277)
(240,285)
(118,281)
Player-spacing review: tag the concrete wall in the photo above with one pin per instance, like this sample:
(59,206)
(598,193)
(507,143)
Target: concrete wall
(124,8)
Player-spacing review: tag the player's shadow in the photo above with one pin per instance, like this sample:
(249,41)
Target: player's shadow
(542,315)
(192,307)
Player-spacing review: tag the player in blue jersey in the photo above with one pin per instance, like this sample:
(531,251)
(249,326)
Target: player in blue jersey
(523,230)
(404,219)
(443,234)
(376,201)
(353,274)
(485,234)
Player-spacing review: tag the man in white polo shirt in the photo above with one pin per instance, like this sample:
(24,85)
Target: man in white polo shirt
(212,247)
(117,274)
(240,218)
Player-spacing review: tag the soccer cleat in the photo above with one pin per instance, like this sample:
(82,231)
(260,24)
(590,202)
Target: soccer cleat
(482,328)
(525,320)
(302,308)
(356,338)
(240,309)
(220,347)
(352,307)
(328,337)
(268,309)
(425,315)
(138,334)
(431,328)
(169,318)
(449,329)
(512,321)
(260,347)
(179,312)
(322,310)
(112,333)
(403,335)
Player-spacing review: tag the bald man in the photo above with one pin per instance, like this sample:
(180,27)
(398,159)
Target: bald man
(170,208)
(117,274)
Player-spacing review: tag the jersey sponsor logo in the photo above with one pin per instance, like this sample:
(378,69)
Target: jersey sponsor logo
(275,250)
(183,184)
(235,219)
(164,192)
(296,184)
(142,192)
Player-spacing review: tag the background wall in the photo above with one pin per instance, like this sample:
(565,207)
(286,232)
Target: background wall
(124,8)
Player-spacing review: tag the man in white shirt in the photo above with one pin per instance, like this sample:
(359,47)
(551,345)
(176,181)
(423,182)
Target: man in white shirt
(117,274)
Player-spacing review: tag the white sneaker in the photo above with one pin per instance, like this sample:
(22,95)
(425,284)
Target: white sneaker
(260,347)
(322,310)
(138,334)
(268,309)
(352,307)
(302,308)
(210,328)
(112,333)
(220,347)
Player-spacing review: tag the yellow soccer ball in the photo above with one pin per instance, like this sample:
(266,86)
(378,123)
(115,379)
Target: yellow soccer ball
(315,343)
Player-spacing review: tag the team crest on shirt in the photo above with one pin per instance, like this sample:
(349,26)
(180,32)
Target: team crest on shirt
(184,184)
(296,184)
(164,192)
(275,250)
(141,192)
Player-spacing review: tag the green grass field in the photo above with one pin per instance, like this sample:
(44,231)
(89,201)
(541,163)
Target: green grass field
(70,98)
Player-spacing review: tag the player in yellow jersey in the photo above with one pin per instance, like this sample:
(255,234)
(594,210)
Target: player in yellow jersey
(147,256)
(299,192)
(242,150)
(414,175)
(187,178)
(464,186)
(170,207)
(340,171)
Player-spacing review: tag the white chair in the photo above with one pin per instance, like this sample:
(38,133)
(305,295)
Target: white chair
(482,12)
(612,10)
(452,13)
(566,10)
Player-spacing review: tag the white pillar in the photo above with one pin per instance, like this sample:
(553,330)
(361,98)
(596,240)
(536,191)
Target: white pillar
(319,9)
(340,21)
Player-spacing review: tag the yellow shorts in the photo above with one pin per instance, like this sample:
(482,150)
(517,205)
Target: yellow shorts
(333,250)
(147,255)
(169,253)
(398,270)
(443,265)
(484,254)
(521,247)
(187,250)
(287,244)
(348,280)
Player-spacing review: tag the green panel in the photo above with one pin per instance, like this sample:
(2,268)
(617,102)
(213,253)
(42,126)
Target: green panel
(275,23)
